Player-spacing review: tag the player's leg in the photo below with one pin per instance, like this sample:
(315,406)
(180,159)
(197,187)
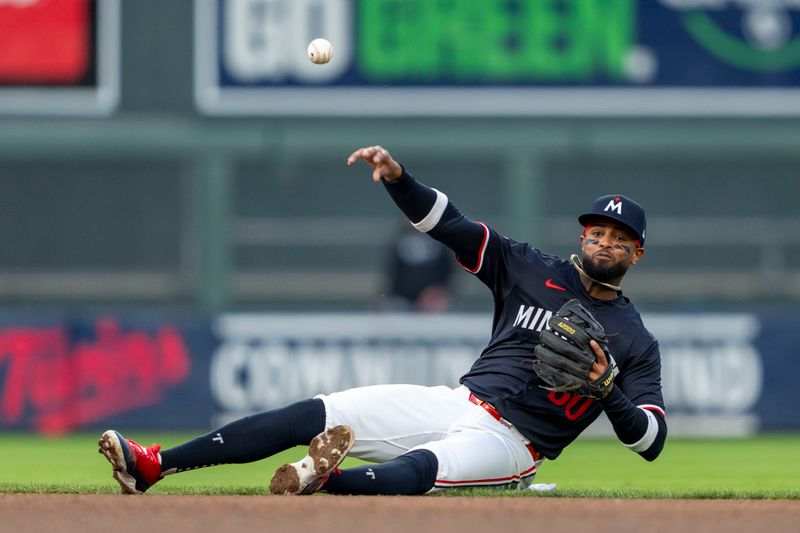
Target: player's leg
(387,421)
(482,452)
(409,474)
(479,451)
(245,440)
(390,420)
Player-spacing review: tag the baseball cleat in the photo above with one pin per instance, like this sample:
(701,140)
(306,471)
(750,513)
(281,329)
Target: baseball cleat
(136,468)
(325,453)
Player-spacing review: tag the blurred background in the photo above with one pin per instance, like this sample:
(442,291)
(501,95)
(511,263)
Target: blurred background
(173,189)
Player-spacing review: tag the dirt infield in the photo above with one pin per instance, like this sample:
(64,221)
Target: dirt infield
(23,513)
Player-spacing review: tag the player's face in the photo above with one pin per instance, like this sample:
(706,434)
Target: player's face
(608,251)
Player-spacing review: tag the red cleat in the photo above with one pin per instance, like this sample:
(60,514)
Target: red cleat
(136,468)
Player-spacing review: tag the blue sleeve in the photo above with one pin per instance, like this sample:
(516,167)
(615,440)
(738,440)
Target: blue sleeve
(478,248)
(635,406)
(640,379)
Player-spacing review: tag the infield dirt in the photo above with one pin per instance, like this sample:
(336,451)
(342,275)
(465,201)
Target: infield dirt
(52,513)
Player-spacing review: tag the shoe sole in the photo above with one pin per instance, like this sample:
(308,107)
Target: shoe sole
(111,447)
(326,452)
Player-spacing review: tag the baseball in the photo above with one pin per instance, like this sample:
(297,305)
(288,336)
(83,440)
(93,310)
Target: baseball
(320,51)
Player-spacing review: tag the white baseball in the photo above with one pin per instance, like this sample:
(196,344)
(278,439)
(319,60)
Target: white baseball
(320,51)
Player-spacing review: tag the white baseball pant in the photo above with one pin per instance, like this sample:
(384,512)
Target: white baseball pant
(472,447)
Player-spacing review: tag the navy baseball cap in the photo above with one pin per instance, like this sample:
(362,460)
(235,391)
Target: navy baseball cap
(619,208)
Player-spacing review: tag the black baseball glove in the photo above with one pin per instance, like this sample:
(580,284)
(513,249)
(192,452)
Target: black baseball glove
(564,357)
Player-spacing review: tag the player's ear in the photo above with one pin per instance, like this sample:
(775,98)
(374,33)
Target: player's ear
(637,255)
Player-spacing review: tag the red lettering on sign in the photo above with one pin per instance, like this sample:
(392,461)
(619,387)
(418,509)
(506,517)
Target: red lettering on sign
(64,385)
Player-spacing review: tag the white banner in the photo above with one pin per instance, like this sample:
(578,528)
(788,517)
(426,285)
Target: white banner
(712,370)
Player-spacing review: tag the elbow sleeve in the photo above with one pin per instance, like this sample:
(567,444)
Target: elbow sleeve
(641,429)
(651,444)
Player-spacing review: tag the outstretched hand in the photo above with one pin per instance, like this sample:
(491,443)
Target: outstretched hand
(377,157)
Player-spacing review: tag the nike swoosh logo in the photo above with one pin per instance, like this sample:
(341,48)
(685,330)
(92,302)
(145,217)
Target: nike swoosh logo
(549,283)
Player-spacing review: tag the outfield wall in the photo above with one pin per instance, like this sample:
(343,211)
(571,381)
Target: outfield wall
(723,374)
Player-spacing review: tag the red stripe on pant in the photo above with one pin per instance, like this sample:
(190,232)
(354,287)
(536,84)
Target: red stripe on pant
(495,481)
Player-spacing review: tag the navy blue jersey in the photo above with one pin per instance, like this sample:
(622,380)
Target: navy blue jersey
(528,286)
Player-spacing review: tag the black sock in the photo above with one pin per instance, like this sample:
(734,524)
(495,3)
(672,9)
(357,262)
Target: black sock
(250,438)
(412,473)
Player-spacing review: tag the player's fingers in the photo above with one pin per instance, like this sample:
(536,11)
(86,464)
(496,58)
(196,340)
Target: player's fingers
(365,153)
(352,158)
(380,156)
(598,351)
(361,153)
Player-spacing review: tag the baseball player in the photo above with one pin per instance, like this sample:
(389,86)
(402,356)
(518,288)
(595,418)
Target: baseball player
(522,401)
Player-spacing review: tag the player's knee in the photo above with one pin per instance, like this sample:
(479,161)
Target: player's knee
(306,419)
(425,465)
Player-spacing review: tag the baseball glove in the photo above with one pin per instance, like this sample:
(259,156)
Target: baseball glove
(564,357)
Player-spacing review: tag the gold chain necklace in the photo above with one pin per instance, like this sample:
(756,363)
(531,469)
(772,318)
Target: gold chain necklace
(576,262)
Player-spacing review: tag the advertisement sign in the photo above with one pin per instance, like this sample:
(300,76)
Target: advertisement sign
(267,361)
(525,57)
(58,374)
(59,56)
(29,32)
(722,374)
(712,371)
(726,374)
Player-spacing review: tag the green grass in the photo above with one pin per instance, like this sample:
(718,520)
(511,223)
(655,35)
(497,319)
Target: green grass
(762,467)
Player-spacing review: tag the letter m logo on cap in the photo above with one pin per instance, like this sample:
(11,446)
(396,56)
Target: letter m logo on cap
(614,205)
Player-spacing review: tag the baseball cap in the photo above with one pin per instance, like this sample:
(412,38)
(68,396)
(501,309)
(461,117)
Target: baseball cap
(620,208)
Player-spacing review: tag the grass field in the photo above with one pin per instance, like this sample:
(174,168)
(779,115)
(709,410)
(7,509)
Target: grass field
(762,467)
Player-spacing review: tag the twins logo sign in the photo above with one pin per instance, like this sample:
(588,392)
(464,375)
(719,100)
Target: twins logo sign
(754,35)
